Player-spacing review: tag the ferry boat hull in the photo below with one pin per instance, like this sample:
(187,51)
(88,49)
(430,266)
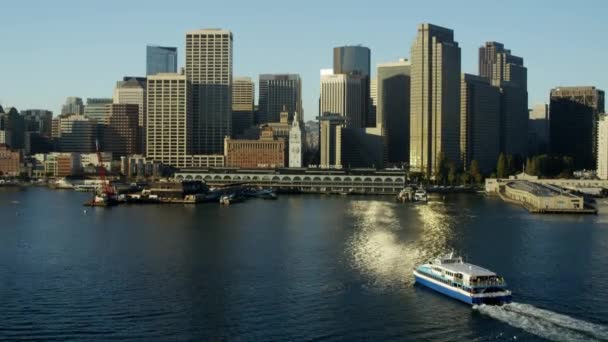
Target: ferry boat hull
(497,298)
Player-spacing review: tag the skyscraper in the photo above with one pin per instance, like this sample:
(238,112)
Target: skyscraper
(77,133)
(355,60)
(243,91)
(209,69)
(330,140)
(393,109)
(169,124)
(38,120)
(507,71)
(160,59)
(73,105)
(132,90)
(96,109)
(12,128)
(538,129)
(435,98)
(341,95)
(278,91)
(121,132)
(573,125)
(602,148)
(479,122)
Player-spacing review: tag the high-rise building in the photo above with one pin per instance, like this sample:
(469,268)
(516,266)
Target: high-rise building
(96,109)
(574,115)
(330,140)
(132,90)
(373,97)
(602,148)
(341,95)
(209,70)
(435,98)
(356,60)
(393,109)
(538,129)
(278,91)
(296,146)
(479,122)
(160,59)
(243,92)
(38,120)
(12,128)
(507,71)
(169,119)
(73,105)
(121,132)
(77,134)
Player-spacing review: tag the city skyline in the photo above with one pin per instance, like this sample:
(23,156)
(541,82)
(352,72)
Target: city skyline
(256,52)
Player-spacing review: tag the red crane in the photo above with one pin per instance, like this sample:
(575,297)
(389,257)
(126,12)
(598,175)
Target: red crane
(106,189)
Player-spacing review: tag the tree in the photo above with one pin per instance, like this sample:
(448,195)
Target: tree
(465,177)
(475,172)
(452,173)
(510,169)
(501,166)
(441,168)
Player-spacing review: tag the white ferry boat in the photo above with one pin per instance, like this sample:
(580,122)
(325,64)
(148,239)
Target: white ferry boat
(463,281)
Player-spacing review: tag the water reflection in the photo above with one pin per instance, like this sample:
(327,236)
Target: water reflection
(389,241)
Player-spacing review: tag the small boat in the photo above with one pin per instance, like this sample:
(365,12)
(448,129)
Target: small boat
(231,198)
(466,282)
(420,196)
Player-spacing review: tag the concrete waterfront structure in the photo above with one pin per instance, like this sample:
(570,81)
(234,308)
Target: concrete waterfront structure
(353,181)
(96,109)
(296,142)
(209,70)
(121,130)
(73,105)
(479,122)
(38,120)
(538,129)
(435,98)
(169,123)
(507,71)
(602,148)
(356,60)
(132,90)
(542,198)
(10,161)
(341,95)
(243,93)
(160,59)
(277,92)
(393,109)
(573,125)
(266,152)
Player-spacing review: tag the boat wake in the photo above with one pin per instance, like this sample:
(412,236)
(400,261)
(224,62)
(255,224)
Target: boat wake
(545,323)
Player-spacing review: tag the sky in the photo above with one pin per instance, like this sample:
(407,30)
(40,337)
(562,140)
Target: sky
(55,49)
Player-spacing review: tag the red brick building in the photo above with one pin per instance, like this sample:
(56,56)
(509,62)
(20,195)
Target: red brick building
(10,161)
(266,152)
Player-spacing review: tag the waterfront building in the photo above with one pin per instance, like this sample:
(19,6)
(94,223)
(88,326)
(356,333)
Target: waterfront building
(341,95)
(12,128)
(507,71)
(393,109)
(10,161)
(73,105)
(266,152)
(347,181)
(121,130)
(277,92)
(77,133)
(573,125)
(602,148)
(356,60)
(296,146)
(132,90)
(59,164)
(96,109)
(138,166)
(209,70)
(160,59)
(38,120)
(243,92)
(434,98)
(538,130)
(169,119)
(479,122)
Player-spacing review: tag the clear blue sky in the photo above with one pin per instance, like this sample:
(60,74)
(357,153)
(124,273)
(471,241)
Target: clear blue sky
(55,49)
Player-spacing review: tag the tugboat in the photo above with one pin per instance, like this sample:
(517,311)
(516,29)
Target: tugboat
(465,282)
